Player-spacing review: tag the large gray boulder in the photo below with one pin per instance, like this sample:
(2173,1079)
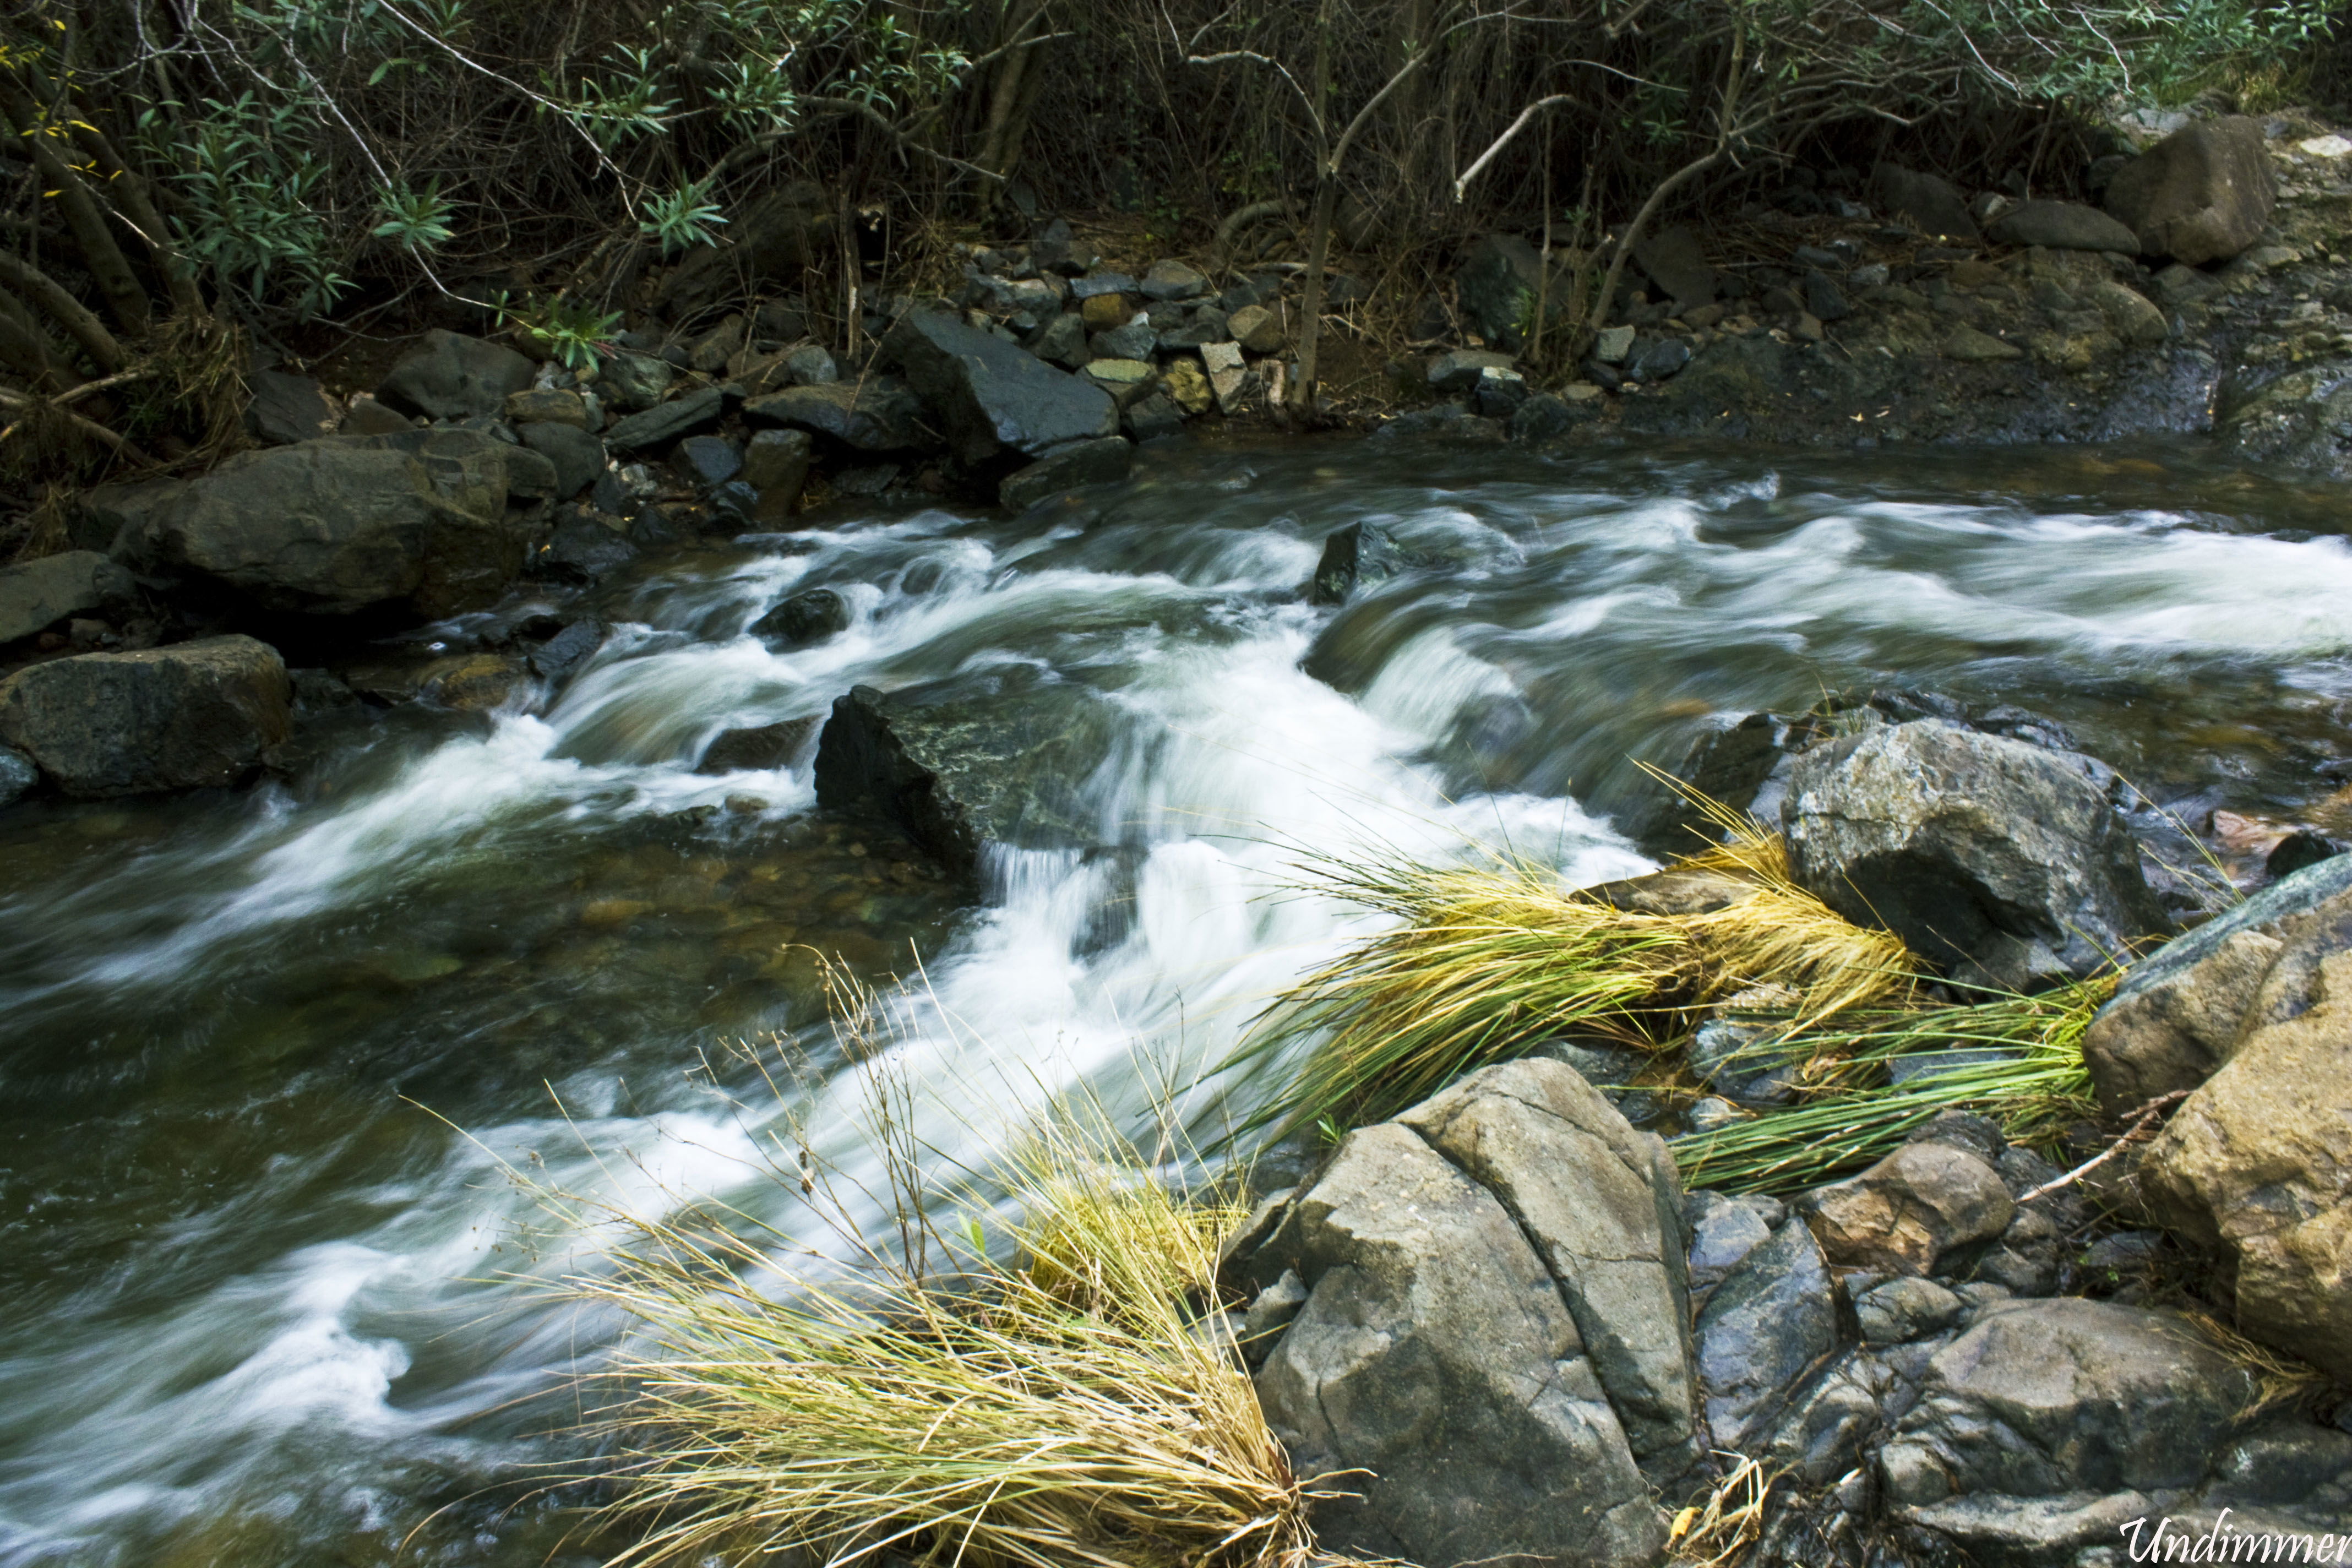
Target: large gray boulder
(451,376)
(2178,1014)
(2005,862)
(2048,1425)
(40,594)
(964,765)
(416,520)
(994,396)
(2254,1166)
(1501,278)
(1603,1205)
(2201,194)
(184,717)
(1438,1352)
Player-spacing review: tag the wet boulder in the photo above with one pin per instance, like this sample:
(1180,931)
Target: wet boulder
(968,765)
(1500,279)
(2181,1014)
(2201,194)
(19,776)
(2048,1425)
(1772,1317)
(2005,862)
(1103,460)
(2254,1169)
(451,376)
(804,618)
(40,594)
(417,520)
(1911,1211)
(994,397)
(1359,555)
(193,715)
(760,749)
(1439,1352)
(1677,267)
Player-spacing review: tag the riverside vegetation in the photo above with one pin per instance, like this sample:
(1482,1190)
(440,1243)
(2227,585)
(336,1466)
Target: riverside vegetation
(1931,1162)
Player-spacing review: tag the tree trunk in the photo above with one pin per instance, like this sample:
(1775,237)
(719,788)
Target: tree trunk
(126,299)
(1310,326)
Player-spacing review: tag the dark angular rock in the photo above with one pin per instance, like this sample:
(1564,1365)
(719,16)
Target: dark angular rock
(804,618)
(2000,860)
(19,776)
(1544,417)
(344,524)
(1499,394)
(105,513)
(1926,203)
(2061,226)
(1359,554)
(1765,1327)
(1101,461)
(1055,249)
(776,466)
(1824,298)
(876,415)
(706,462)
(560,656)
(1677,265)
(667,422)
(1658,358)
(1906,1309)
(1457,369)
(41,593)
(1500,279)
(1134,340)
(2200,196)
(760,749)
(449,376)
(1097,283)
(582,550)
(1151,417)
(287,408)
(993,398)
(964,764)
(1063,341)
(1171,279)
(577,457)
(189,716)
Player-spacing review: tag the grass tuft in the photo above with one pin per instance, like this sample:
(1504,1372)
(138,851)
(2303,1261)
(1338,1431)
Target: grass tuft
(1063,1393)
(1490,961)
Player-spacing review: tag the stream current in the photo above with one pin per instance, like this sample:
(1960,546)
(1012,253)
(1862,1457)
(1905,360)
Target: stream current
(266,1057)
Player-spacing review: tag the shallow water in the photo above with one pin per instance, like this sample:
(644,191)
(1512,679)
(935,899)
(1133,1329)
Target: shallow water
(267,1057)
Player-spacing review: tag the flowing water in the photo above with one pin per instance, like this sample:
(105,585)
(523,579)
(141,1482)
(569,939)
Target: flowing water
(267,1058)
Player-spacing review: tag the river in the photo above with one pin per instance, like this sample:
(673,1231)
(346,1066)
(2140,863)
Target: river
(266,1057)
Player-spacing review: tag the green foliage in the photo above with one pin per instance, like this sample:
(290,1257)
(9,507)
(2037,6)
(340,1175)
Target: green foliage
(573,333)
(681,219)
(251,214)
(417,220)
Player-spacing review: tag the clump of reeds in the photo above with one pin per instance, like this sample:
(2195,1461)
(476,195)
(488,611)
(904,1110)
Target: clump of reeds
(1490,960)
(1062,1394)
(2017,1059)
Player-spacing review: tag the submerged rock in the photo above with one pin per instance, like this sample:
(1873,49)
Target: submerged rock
(184,717)
(804,618)
(2002,861)
(1359,555)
